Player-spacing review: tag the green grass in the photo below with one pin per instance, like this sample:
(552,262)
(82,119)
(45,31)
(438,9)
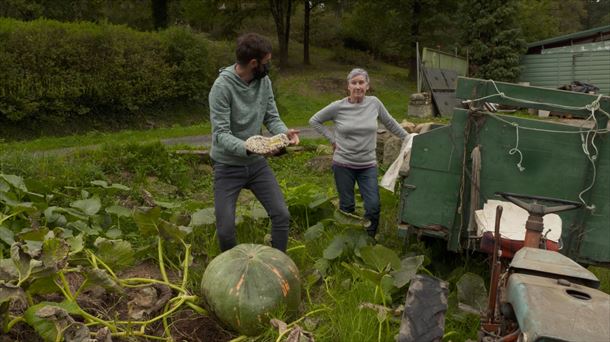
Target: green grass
(185,180)
(99,138)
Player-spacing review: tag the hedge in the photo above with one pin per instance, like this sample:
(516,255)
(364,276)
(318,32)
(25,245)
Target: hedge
(56,72)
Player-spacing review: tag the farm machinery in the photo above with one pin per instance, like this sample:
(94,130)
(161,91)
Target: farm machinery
(542,295)
(499,184)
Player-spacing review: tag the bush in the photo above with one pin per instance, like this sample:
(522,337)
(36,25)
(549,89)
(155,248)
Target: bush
(56,72)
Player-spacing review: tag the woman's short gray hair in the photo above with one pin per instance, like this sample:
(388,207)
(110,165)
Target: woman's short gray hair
(358,72)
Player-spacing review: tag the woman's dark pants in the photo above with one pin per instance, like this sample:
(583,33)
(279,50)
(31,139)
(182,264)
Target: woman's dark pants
(345,179)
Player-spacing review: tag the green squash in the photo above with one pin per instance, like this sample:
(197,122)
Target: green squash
(242,285)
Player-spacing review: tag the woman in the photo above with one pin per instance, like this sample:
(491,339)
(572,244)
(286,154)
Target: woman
(354,140)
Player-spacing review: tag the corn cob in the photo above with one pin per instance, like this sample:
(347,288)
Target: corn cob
(263,145)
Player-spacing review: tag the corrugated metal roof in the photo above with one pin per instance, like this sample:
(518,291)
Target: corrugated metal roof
(599,46)
(572,36)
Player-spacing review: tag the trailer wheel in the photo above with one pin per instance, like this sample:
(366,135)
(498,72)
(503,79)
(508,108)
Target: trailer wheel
(424,317)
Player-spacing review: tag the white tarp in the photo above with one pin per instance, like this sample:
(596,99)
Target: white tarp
(512,223)
(388,181)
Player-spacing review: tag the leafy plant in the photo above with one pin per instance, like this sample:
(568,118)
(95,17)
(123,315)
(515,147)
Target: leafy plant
(308,201)
(382,268)
(43,255)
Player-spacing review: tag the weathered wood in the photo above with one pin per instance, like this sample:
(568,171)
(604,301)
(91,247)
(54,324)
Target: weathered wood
(547,99)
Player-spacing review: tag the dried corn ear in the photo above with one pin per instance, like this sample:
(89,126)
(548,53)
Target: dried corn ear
(263,145)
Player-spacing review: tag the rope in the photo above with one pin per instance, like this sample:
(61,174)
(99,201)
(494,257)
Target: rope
(603,130)
(475,181)
(592,157)
(593,105)
(515,149)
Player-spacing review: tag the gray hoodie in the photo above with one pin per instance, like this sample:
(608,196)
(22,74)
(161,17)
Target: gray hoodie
(237,111)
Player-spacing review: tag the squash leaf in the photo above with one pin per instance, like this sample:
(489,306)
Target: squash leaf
(9,292)
(76,244)
(379,257)
(43,286)
(115,253)
(348,219)
(6,235)
(471,291)
(335,248)
(169,230)
(408,269)
(15,181)
(314,231)
(100,277)
(8,271)
(203,217)
(90,206)
(84,227)
(53,314)
(167,205)
(147,219)
(118,210)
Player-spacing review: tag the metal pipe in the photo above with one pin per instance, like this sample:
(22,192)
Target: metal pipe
(417,67)
(533,230)
(495,269)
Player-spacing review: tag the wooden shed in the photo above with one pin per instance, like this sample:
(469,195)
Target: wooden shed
(581,56)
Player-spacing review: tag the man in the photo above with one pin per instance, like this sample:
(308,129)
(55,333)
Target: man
(241,101)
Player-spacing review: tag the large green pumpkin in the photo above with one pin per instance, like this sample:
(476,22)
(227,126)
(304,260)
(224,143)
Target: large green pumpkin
(242,285)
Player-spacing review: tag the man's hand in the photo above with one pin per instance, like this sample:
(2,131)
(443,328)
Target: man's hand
(293,135)
(268,154)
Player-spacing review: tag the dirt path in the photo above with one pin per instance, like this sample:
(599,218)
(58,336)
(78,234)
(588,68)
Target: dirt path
(206,140)
(194,140)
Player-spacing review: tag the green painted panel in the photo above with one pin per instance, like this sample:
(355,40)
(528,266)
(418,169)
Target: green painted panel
(435,173)
(555,166)
(554,163)
(441,60)
(433,201)
(595,244)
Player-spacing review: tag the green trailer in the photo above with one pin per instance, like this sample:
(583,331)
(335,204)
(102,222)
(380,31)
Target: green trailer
(516,154)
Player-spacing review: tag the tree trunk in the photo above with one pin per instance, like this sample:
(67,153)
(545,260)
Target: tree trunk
(159,13)
(281,11)
(306,60)
(415,13)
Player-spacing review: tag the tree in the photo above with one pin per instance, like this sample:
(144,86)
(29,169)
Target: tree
(159,13)
(399,25)
(571,15)
(598,13)
(73,10)
(494,39)
(221,18)
(309,6)
(281,10)
(537,19)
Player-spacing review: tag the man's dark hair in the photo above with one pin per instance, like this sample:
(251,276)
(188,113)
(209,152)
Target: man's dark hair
(252,46)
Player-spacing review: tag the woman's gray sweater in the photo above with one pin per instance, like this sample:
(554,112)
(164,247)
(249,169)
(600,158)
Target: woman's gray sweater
(355,129)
